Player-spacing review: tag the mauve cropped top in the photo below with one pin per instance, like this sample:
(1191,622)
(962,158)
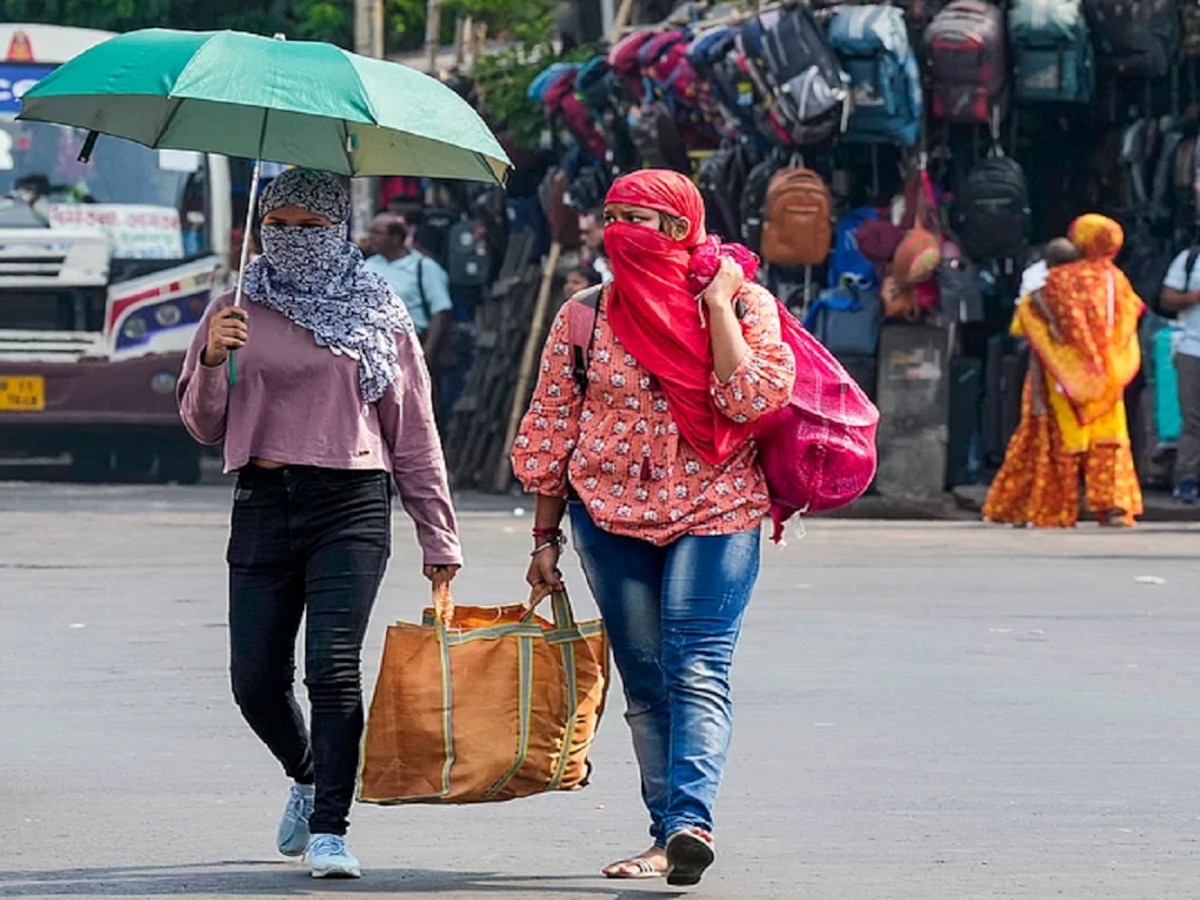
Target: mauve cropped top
(299,404)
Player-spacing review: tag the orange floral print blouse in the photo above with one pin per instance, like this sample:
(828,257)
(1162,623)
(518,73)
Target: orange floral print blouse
(621,451)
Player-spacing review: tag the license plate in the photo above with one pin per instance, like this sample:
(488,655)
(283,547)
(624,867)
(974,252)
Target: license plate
(22,393)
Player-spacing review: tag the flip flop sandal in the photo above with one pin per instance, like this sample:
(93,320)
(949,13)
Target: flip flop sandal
(642,868)
(689,853)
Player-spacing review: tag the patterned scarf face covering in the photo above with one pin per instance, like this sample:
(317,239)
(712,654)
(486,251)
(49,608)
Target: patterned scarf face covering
(316,278)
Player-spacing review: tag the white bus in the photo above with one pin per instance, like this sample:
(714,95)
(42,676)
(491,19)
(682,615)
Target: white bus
(105,270)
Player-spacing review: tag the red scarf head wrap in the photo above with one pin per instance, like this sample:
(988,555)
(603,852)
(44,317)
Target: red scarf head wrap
(655,315)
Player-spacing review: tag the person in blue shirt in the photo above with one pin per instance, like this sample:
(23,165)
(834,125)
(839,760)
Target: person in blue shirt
(419,281)
(1181,295)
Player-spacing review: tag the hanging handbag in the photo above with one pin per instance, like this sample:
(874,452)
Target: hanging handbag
(480,704)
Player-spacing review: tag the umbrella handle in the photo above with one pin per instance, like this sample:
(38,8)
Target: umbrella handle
(237,294)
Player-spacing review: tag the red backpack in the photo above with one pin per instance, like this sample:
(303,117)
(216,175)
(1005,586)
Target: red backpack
(968,68)
(625,60)
(818,452)
(561,102)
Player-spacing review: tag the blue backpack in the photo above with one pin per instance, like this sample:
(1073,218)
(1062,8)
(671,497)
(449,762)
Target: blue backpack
(872,44)
(541,84)
(713,56)
(1052,55)
(847,266)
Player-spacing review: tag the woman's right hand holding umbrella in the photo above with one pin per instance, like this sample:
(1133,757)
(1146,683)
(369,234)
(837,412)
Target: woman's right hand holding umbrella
(227,331)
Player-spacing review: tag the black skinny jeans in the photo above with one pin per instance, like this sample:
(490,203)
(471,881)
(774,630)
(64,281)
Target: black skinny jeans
(306,542)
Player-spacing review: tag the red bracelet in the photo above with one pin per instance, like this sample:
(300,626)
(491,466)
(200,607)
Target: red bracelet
(541,533)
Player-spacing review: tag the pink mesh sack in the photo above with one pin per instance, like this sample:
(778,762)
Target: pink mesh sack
(818,452)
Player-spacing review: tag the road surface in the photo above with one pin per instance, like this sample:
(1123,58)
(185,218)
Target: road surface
(932,710)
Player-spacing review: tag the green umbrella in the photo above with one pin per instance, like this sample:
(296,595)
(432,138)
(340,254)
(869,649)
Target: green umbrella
(297,102)
(302,103)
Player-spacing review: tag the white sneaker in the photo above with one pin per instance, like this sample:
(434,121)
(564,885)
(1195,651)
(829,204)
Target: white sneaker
(328,857)
(293,827)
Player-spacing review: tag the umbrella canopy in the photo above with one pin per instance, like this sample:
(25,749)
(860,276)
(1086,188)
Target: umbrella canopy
(297,102)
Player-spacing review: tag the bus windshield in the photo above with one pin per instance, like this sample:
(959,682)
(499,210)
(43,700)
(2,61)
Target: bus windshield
(152,204)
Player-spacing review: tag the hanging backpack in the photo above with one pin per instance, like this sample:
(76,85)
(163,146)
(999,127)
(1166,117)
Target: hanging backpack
(663,61)
(1053,61)
(1190,17)
(964,49)
(791,54)
(1135,37)
(540,86)
(657,138)
(468,256)
(564,106)
(754,201)
(625,61)
(596,88)
(991,210)
(721,178)
(872,44)
(713,54)
(848,268)
(797,228)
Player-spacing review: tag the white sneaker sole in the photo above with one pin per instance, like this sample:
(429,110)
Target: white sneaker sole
(337,872)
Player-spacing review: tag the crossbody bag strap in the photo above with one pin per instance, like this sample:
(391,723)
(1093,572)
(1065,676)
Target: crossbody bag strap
(421,289)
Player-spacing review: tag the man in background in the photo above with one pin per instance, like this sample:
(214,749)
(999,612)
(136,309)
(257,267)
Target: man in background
(1181,295)
(419,281)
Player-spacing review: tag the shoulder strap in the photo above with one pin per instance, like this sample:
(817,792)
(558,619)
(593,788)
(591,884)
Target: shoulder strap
(583,311)
(1189,267)
(421,287)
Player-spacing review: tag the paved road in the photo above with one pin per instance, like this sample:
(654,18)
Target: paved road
(925,711)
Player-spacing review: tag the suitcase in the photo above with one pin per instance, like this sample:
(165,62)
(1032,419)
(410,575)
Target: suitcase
(966,401)
(913,400)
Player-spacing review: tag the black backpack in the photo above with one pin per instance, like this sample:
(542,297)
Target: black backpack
(1145,260)
(468,255)
(589,187)
(721,178)
(754,201)
(790,51)
(1135,37)
(991,210)
(657,138)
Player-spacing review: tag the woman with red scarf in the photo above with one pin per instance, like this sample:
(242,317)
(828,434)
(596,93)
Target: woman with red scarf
(656,463)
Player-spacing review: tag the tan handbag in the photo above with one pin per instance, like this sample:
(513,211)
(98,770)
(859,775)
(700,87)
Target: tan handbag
(481,704)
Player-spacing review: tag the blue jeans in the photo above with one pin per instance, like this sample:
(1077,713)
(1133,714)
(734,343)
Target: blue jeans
(673,616)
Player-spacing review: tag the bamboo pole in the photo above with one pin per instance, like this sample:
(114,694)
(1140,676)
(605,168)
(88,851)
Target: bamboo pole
(624,14)
(433,29)
(528,359)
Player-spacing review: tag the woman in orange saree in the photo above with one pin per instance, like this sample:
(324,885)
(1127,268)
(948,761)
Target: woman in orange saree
(1083,336)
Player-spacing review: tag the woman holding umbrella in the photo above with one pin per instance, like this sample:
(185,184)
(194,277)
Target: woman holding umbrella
(332,403)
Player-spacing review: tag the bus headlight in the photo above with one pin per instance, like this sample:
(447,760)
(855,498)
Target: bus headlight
(168,315)
(163,383)
(134,328)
